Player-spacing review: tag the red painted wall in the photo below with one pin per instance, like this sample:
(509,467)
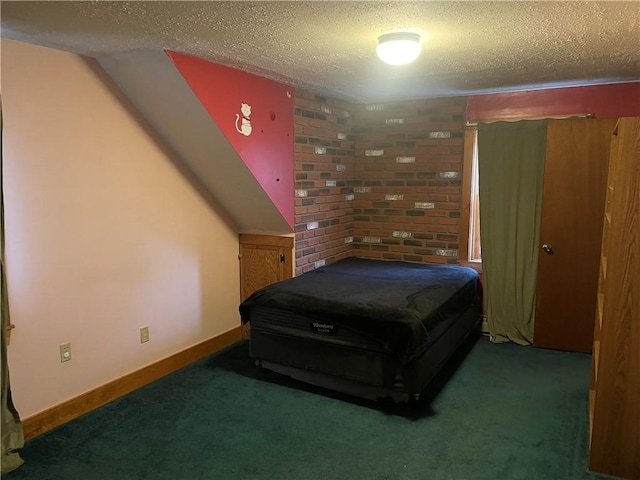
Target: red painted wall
(265,141)
(603,101)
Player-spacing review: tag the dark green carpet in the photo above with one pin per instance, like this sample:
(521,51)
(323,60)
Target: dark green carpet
(497,412)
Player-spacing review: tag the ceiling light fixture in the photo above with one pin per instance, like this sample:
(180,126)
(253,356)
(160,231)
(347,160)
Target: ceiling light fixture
(398,48)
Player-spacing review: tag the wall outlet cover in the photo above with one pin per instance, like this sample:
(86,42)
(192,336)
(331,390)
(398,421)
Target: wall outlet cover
(144,334)
(65,352)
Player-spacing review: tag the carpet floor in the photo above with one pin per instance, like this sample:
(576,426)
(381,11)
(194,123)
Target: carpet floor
(495,412)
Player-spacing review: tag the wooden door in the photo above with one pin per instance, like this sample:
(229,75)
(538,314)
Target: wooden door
(264,259)
(570,232)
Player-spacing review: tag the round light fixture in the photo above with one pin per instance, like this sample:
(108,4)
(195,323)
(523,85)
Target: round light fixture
(398,48)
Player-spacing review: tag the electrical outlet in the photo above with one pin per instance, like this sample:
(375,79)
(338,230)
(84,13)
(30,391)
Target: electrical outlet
(65,352)
(144,334)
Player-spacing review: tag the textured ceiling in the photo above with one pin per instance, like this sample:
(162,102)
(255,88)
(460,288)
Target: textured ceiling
(329,47)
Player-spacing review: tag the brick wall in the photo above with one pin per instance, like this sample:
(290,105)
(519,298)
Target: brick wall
(377,180)
(324,156)
(408,166)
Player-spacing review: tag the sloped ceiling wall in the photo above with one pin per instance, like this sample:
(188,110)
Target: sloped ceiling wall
(155,86)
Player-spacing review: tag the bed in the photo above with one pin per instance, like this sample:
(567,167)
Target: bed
(365,327)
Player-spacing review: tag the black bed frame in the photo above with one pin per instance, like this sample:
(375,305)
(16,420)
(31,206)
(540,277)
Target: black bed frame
(349,363)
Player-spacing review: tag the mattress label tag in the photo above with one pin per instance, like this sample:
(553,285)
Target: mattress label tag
(324,328)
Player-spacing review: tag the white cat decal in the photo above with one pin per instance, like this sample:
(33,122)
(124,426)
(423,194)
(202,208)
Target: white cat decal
(245,129)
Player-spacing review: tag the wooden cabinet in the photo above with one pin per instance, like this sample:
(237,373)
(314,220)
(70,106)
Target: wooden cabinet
(614,397)
(264,259)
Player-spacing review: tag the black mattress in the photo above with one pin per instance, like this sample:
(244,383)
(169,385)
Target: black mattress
(398,304)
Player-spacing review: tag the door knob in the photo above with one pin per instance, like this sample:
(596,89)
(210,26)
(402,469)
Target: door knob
(547,249)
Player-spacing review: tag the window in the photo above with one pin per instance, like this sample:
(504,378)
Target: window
(470,217)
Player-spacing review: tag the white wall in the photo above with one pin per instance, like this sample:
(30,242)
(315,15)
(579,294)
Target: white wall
(103,234)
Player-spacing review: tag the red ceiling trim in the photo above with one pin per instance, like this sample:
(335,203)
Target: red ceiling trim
(602,101)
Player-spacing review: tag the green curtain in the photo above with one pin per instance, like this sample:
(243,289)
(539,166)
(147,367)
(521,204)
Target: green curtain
(12,435)
(510,168)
